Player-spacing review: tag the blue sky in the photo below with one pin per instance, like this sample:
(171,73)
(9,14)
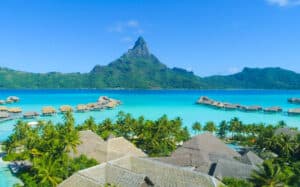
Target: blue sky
(205,36)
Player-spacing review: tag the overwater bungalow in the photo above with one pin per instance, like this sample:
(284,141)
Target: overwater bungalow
(295,111)
(4,115)
(91,105)
(2,102)
(252,108)
(205,100)
(103,100)
(273,109)
(294,100)
(229,106)
(97,107)
(112,104)
(81,108)
(48,111)
(3,109)
(12,99)
(15,110)
(30,115)
(65,108)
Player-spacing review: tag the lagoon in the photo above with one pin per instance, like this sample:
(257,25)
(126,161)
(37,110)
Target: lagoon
(155,103)
(152,104)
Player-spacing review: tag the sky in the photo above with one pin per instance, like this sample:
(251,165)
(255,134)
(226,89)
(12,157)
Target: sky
(207,37)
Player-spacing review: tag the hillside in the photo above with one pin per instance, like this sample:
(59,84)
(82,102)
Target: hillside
(256,78)
(138,68)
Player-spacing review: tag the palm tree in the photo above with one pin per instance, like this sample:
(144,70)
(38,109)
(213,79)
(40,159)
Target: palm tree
(47,169)
(210,127)
(268,175)
(222,130)
(197,127)
(234,125)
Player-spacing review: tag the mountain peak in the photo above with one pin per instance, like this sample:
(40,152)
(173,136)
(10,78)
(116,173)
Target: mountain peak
(139,49)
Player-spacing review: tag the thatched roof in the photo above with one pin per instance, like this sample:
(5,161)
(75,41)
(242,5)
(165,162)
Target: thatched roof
(91,105)
(200,153)
(15,110)
(286,131)
(138,172)
(48,110)
(294,111)
(13,98)
(30,114)
(3,108)
(66,108)
(232,168)
(210,144)
(251,158)
(4,115)
(103,100)
(95,147)
(81,107)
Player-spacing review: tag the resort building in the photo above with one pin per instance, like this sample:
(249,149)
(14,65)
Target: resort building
(93,146)
(132,171)
(206,153)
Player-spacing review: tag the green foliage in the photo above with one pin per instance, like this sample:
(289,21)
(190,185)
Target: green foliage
(233,182)
(46,147)
(210,127)
(269,174)
(155,137)
(222,129)
(197,127)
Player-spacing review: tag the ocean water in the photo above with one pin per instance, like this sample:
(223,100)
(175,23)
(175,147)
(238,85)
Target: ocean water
(155,103)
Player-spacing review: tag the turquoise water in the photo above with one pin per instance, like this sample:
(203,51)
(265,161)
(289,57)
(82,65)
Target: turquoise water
(153,104)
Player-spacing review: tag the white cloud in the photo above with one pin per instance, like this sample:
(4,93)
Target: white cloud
(284,3)
(124,26)
(132,23)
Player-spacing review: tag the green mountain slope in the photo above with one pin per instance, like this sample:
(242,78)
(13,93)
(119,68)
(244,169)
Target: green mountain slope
(256,78)
(138,68)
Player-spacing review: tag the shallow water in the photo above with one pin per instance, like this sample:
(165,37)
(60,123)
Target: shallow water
(153,104)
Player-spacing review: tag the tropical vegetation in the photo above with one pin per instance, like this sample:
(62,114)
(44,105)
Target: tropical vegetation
(48,145)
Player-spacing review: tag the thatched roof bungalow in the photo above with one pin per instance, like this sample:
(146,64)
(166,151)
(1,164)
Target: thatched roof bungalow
(273,109)
(286,131)
(203,152)
(294,100)
(3,109)
(93,146)
(48,111)
(15,110)
(65,108)
(2,102)
(132,171)
(81,108)
(295,111)
(30,115)
(91,105)
(13,99)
